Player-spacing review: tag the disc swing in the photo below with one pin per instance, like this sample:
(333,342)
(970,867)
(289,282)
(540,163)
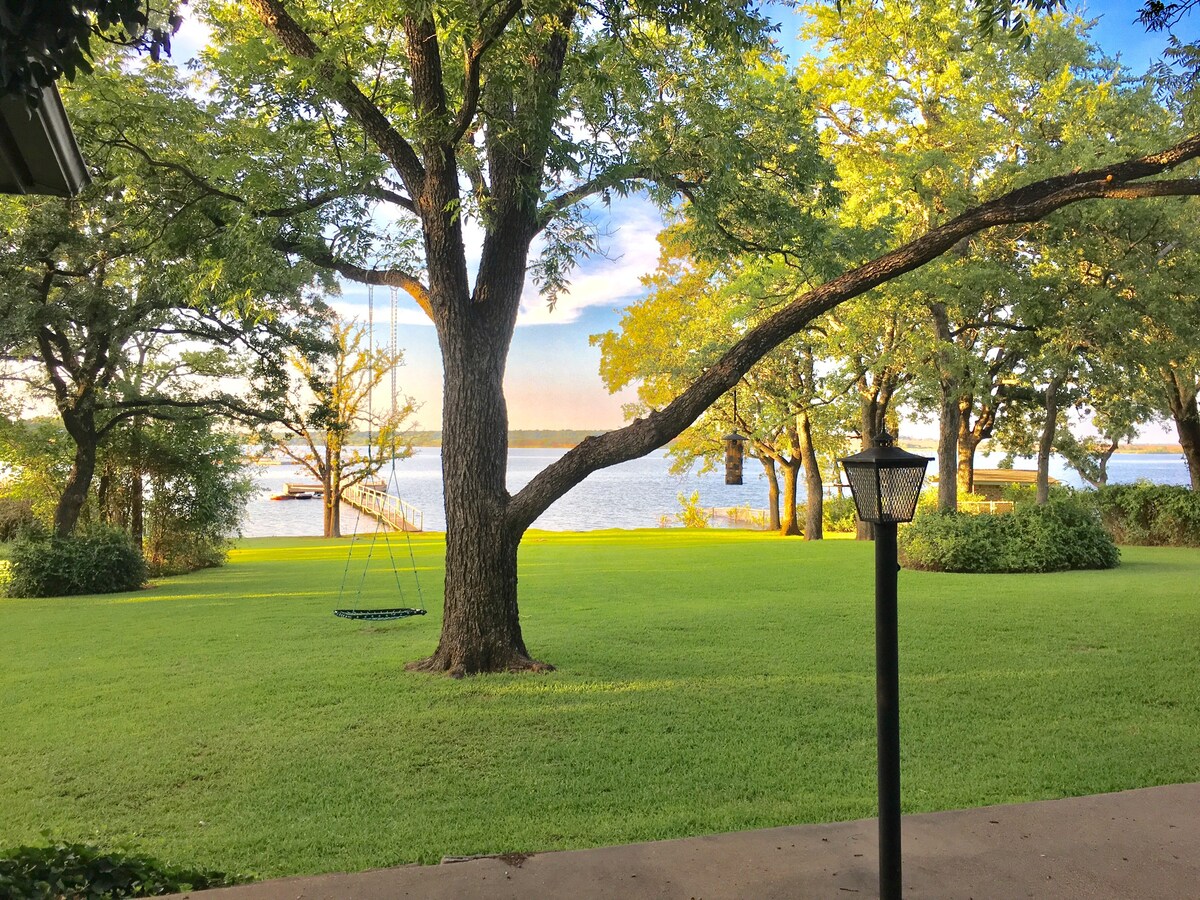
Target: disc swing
(355,611)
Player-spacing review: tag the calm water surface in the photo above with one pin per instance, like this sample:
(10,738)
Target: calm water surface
(636,494)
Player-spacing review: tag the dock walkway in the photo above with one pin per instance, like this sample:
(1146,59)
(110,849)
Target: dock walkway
(385,507)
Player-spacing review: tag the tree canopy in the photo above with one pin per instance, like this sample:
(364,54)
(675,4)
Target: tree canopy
(41,41)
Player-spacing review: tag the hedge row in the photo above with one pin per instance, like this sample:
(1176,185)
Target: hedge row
(1156,515)
(1063,534)
(96,560)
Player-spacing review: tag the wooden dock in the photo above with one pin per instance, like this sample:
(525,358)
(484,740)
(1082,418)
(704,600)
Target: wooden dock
(317,489)
(390,510)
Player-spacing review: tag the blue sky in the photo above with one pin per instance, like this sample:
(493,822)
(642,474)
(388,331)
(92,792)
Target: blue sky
(553,379)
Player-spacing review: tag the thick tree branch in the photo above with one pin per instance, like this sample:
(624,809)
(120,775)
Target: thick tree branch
(340,86)
(321,255)
(1027,204)
(471,78)
(154,407)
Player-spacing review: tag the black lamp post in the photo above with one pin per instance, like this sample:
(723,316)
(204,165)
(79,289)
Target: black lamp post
(885,482)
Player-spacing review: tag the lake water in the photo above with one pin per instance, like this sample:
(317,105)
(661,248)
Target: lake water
(636,494)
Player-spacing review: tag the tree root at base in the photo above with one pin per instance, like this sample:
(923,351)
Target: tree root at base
(448,664)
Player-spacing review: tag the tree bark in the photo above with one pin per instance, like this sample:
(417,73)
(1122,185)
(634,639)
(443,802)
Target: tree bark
(79,480)
(789,526)
(1046,444)
(1181,399)
(814,489)
(481,629)
(970,436)
(768,465)
(873,420)
(331,498)
(1102,462)
(948,411)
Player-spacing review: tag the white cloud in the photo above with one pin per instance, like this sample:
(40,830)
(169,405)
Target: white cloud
(631,251)
(630,247)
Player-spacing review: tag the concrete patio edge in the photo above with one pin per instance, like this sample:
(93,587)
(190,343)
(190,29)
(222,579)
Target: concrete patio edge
(1141,843)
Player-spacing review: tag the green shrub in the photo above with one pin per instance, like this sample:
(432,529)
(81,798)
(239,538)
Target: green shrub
(837,514)
(1157,515)
(97,560)
(16,516)
(70,871)
(691,514)
(1063,534)
(1026,494)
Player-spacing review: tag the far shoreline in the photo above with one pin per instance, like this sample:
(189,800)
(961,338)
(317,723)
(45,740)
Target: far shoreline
(568,438)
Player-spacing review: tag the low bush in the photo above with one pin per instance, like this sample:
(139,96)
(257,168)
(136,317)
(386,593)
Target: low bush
(97,560)
(65,871)
(16,516)
(837,514)
(1156,515)
(1064,534)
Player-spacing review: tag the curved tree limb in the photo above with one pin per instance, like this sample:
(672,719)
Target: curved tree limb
(1120,181)
(321,255)
(617,176)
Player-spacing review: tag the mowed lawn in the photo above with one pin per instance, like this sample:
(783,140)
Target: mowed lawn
(707,681)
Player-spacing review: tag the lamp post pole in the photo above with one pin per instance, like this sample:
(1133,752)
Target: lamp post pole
(885,482)
(887,709)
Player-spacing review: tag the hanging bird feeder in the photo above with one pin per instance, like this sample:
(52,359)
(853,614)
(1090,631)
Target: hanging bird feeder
(735,452)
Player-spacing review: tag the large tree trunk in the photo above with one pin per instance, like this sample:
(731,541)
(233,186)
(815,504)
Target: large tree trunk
(1046,444)
(1181,398)
(80,423)
(790,526)
(949,414)
(970,436)
(79,480)
(947,452)
(814,489)
(768,465)
(481,629)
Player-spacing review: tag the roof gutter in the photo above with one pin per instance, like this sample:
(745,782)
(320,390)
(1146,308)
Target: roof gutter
(38,151)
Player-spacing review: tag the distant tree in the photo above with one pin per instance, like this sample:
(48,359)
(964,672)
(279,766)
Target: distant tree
(924,120)
(136,258)
(35,454)
(197,492)
(695,307)
(331,403)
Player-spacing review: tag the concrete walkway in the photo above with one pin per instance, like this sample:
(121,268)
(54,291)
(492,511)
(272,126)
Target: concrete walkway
(1134,845)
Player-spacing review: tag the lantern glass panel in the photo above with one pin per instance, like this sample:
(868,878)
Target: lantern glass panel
(864,488)
(899,489)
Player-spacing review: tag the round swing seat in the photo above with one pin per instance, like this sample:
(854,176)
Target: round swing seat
(379,614)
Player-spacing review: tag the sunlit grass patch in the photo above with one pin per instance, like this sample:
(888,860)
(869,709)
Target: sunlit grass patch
(706,681)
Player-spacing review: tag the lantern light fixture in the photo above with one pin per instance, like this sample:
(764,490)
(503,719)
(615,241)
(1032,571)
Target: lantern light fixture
(885,481)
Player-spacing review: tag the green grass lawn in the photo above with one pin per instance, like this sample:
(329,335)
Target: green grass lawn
(707,681)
